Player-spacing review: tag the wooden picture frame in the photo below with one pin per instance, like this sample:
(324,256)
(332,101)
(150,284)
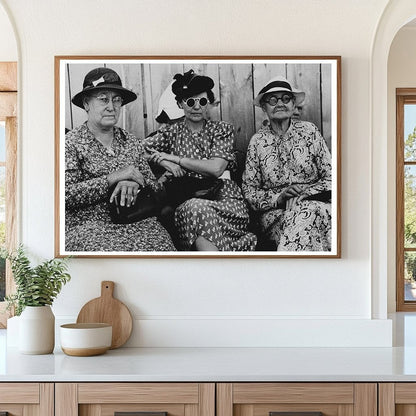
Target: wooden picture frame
(237,82)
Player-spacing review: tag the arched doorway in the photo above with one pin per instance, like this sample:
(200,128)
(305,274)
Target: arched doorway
(397,14)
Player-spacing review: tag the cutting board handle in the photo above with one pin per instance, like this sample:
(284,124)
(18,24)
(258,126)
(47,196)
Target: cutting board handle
(107,289)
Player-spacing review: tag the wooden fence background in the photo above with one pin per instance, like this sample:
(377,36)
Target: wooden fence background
(236,85)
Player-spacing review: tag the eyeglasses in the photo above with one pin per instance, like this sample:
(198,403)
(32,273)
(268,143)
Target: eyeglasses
(105,99)
(190,102)
(273,100)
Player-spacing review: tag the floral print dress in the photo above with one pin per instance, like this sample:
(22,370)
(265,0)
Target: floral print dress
(88,226)
(273,163)
(224,222)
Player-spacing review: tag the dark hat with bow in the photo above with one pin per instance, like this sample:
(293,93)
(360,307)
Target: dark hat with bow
(190,84)
(103,79)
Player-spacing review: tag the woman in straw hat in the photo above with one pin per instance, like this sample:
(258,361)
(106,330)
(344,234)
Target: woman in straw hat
(287,177)
(200,148)
(100,156)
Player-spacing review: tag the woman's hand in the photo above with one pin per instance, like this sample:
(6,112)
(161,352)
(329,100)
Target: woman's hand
(158,157)
(129,173)
(128,191)
(173,168)
(170,162)
(290,203)
(288,196)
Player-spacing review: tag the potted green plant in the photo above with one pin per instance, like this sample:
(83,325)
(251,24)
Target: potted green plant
(36,289)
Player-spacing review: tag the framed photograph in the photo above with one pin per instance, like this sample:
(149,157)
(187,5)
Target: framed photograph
(198,156)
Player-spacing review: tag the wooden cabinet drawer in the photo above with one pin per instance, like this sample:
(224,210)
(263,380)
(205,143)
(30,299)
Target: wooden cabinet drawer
(332,399)
(105,399)
(397,399)
(21,399)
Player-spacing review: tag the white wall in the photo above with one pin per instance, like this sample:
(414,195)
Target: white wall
(209,301)
(401,74)
(8,46)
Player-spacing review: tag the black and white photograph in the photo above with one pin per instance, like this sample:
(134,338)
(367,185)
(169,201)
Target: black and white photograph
(197,156)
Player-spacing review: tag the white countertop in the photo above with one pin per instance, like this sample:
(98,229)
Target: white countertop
(215,364)
(222,364)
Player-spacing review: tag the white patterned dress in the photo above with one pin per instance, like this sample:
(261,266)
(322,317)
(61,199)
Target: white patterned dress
(273,163)
(224,222)
(88,227)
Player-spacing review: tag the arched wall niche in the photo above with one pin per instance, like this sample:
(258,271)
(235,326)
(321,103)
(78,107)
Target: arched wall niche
(397,14)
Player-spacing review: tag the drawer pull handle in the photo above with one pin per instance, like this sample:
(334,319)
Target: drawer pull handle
(295,414)
(140,414)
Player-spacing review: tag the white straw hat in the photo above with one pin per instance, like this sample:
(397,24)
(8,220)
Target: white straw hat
(279,83)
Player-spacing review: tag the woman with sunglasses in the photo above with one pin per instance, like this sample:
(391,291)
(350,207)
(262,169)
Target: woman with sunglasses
(287,177)
(198,147)
(98,157)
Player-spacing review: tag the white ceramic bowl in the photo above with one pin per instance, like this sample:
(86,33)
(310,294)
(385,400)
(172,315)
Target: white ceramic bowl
(85,339)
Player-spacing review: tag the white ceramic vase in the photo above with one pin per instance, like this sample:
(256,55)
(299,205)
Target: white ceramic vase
(12,334)
(37,330)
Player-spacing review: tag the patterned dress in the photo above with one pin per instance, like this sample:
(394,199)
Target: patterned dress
(273,163)
(224,221)
(88,226)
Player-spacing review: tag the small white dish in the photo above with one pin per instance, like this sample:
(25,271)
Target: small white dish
(83,340)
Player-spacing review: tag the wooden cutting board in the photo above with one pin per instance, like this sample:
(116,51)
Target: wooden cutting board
(108,310)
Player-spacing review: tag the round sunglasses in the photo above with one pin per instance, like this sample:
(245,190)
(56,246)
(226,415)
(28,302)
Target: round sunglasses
(273,100)
(190,102)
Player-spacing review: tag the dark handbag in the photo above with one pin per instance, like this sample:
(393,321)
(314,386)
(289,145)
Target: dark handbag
(324,196)
(179,190)
(148,204)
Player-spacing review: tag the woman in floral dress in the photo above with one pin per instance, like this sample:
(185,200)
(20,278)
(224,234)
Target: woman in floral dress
(100,156)
(201,148)
(287,177)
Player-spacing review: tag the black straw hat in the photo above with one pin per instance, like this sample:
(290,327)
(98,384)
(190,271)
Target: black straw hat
(103,78)
(190,84)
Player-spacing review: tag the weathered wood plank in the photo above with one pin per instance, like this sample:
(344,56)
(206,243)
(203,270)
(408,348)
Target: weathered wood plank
(236,88)
(307,78)
(326,93)
(77,74)
(134,111)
